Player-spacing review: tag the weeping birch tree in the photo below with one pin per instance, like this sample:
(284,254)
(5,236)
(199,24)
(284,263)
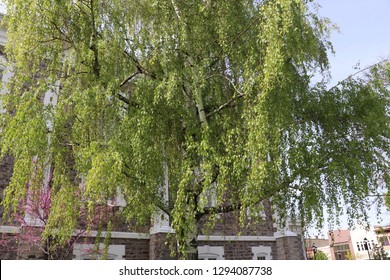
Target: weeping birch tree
(208,96)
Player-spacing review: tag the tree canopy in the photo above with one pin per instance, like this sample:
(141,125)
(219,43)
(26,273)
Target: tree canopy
(207,96)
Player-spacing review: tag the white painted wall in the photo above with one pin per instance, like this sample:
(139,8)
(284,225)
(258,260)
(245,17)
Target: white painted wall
(357,238)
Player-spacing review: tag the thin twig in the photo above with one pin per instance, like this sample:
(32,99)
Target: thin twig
(358,72)
(223,106)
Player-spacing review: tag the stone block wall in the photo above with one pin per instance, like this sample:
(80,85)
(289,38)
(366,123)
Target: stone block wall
(159,247)
(290,248)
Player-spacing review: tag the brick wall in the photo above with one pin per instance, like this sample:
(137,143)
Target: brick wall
(136,249)
(156,248)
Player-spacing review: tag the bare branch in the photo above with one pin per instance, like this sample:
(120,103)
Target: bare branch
(129,78)
(140,69)
(225,105)
(123,99)
(360,71)
(239,205)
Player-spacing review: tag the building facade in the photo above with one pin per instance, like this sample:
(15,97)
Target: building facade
(356,244)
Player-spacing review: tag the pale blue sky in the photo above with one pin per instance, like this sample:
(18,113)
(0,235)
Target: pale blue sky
(364,33)
(364,38)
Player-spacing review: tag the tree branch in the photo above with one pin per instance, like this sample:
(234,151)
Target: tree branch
(176,8)
(239,205)
(225,105)
(123,99)
(358,72)
(140,69)
(129,78)
(230,101)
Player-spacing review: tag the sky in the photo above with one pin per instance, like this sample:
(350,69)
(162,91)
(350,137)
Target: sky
(364,35)
(363,38)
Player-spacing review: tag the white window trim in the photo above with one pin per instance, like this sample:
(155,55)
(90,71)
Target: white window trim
(210,252)
(262,251)
(83,251)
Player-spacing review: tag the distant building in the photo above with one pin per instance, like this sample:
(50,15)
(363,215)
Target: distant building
(317,244)
(383,234)
(352,244)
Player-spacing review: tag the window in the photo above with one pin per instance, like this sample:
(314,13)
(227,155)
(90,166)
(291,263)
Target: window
(342,250)
(86,252)
(210,252)
(207,258)
(384,240)
(261,253)
(358,246)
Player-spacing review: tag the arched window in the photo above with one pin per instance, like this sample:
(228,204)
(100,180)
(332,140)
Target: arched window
(210,252)
(261,253)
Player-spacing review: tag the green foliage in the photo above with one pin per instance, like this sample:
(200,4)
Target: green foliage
(349,256)
(321,256)
(209,96)
(387,200)
(379,253)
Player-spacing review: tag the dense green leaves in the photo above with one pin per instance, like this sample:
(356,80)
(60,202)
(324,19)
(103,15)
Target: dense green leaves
(211,97)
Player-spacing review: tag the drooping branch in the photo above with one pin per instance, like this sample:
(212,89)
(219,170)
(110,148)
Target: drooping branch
(236,38)
(157,199)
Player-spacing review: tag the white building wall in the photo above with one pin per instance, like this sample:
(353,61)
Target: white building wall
(357,240)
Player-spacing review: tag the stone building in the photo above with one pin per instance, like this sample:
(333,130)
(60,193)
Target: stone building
(226,240)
